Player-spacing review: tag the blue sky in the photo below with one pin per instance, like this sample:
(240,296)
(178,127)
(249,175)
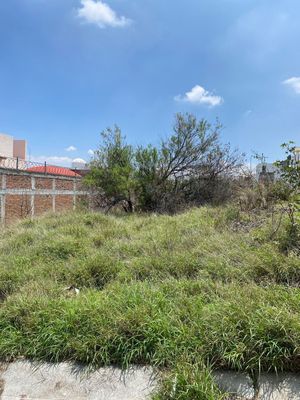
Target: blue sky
(70,68)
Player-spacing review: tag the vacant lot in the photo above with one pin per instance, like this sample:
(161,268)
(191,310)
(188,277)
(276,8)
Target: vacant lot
(186,294)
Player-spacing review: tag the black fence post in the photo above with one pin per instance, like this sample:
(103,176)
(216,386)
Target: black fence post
(45,167)
(17,163)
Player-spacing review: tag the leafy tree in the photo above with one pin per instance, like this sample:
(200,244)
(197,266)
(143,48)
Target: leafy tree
(290,167)
(290,173)
(148,169)
(187,168)
(112,170)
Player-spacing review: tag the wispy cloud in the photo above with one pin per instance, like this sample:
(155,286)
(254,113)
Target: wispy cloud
(101,14)
(91,152)
(199,95)
(294,83)
(71,148)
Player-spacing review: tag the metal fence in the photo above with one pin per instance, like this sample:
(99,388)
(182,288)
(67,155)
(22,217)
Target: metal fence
(30,166)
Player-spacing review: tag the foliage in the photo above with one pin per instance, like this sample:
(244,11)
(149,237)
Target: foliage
(112,170)
(188,168)
(290,173)
(290,167)
(148,161)
(183,293)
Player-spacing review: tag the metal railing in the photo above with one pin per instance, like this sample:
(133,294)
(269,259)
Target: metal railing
(30,166)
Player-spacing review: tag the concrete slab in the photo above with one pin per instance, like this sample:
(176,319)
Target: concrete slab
(284,386)
(235,383)
(279,387)
(24,380)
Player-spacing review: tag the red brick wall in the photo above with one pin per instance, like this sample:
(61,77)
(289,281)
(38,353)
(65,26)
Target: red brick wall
(43,183)
(63,203)
(17,206)
(64,185)
(18,182)
(43,204)
(24,194)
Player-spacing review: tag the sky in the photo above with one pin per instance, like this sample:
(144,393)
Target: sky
(71,68)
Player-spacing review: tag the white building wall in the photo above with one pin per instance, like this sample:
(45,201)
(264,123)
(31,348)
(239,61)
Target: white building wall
(6,145)
(269,168)
(297,154)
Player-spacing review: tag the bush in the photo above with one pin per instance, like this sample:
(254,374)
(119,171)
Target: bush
(189,168)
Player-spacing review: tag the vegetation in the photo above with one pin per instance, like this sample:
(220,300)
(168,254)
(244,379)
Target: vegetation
(290,174)
(112,171)
(186,294)
(215,287)
(191,167)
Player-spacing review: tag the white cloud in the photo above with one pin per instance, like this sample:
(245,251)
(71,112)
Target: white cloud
(100,13)
(52,160)
(91,152)
(198,95)
(79,160)
(294,83)
(71,148)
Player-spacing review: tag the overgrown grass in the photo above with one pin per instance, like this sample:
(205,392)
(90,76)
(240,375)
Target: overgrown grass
(185,294)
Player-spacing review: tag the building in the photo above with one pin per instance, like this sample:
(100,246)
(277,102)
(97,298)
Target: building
(80,166)
(297,154)
(12,148)
(267,172)
(53,170)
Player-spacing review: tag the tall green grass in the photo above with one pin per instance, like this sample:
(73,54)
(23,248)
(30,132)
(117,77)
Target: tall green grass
(185,294)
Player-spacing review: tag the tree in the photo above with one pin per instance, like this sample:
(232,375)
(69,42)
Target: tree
(187,167)
(112,171)
(148,169)
(290,167)
(290,174)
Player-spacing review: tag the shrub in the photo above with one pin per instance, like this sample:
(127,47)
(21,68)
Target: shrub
(190,167)
(290,173)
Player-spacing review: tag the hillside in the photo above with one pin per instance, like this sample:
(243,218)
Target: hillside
(186,294)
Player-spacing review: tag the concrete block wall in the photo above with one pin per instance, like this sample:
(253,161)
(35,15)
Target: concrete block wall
(26,194)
